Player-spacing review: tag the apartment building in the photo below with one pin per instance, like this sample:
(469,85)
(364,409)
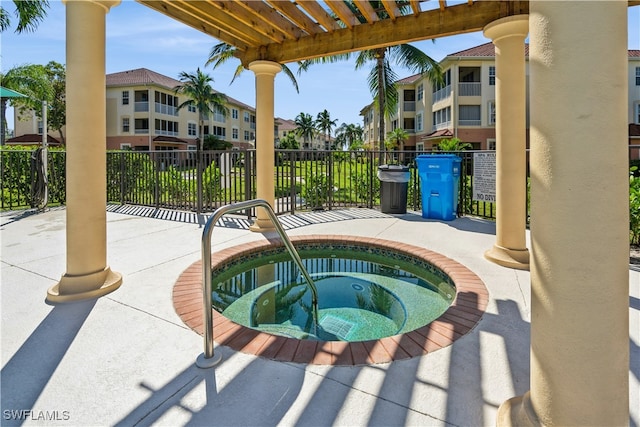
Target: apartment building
(464,105)
(286,126)
(142,115)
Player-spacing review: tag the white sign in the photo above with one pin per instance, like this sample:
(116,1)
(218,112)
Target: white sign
(484,177)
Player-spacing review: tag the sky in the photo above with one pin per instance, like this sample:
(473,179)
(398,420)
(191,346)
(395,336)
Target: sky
(138,37)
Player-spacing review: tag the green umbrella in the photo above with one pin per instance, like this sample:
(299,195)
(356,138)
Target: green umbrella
(8,93)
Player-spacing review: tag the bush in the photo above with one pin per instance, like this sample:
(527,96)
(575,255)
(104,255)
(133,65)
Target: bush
(316,191)
(634,207)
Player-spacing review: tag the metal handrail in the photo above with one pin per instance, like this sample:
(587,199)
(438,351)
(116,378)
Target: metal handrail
(207,359)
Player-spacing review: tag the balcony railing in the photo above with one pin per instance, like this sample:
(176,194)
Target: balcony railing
(470,89)
(469,122)
(166,109)
(145,131)
(409,105)
(442,125)
(141,106)
(441,94)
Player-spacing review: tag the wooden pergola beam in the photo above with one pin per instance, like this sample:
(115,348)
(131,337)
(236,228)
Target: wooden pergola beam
(459,19)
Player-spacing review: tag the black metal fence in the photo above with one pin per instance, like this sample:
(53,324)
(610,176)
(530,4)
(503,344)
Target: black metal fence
(304,180)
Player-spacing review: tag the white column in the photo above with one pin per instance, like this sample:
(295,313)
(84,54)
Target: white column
(510,249)
(265,72)
(87,275)
(579,217)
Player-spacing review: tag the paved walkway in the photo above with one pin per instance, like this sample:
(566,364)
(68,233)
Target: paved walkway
(128,359)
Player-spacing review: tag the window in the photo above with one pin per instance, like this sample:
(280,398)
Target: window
(491,144)
(191,129)
(637,76)
(40,127)
(638,113)
(419,146)
(469,115)
(219,131)
(420,91)
(246,117)
(219,115)
(234,133)
(191,108)
(166,127)
(234,113)
(419,122)
(125,146)
(246,135)
(491,113)
(125,97)
(125,124)
(492,76)
(442,118)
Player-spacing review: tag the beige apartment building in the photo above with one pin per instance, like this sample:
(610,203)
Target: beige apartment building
(142,115)
(286,126)
(464,106)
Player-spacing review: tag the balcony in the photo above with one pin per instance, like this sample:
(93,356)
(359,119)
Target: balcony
(409,105)
(141,106)
(441,94)
(165,109)
(469,122)
(470,89)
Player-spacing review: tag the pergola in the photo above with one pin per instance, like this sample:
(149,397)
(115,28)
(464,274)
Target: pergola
(578,130)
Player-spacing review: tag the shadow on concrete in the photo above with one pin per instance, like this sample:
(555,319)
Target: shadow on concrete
(26,374)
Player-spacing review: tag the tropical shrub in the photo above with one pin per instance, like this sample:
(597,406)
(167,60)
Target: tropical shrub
(634,207)
(316,191)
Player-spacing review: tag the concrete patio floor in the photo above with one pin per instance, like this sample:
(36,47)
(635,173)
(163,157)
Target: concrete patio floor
(127,358)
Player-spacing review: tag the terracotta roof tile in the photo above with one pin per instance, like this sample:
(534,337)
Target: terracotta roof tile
(634,54)
(486,50)
(410,79)
(144,76)
(32,138)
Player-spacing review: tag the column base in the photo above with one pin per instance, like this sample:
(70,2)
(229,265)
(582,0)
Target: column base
(517,412)
(77,288)
(262,226)
(512,258)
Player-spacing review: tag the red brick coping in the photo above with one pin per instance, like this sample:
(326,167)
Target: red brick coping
(461,317)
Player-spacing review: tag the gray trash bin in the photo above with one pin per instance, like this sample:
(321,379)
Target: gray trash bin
(394,181)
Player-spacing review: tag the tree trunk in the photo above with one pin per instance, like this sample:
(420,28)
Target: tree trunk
(381,103)
(3,120)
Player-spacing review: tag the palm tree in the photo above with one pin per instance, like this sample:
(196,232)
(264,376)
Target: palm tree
(197,88)
(29,12)
(222,52)
(305,127)
(324,124)
(395,139)
(349,134)
(381,77)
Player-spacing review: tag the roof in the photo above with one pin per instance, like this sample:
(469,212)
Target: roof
(439,134)
(140,76)
(486,50)
(164,138)
(410,79)
(144,76)
(32,138)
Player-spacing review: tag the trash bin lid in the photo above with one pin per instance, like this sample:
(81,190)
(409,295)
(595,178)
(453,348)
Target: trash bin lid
(393,168)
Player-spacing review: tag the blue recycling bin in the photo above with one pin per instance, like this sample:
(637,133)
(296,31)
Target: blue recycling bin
(439,181)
